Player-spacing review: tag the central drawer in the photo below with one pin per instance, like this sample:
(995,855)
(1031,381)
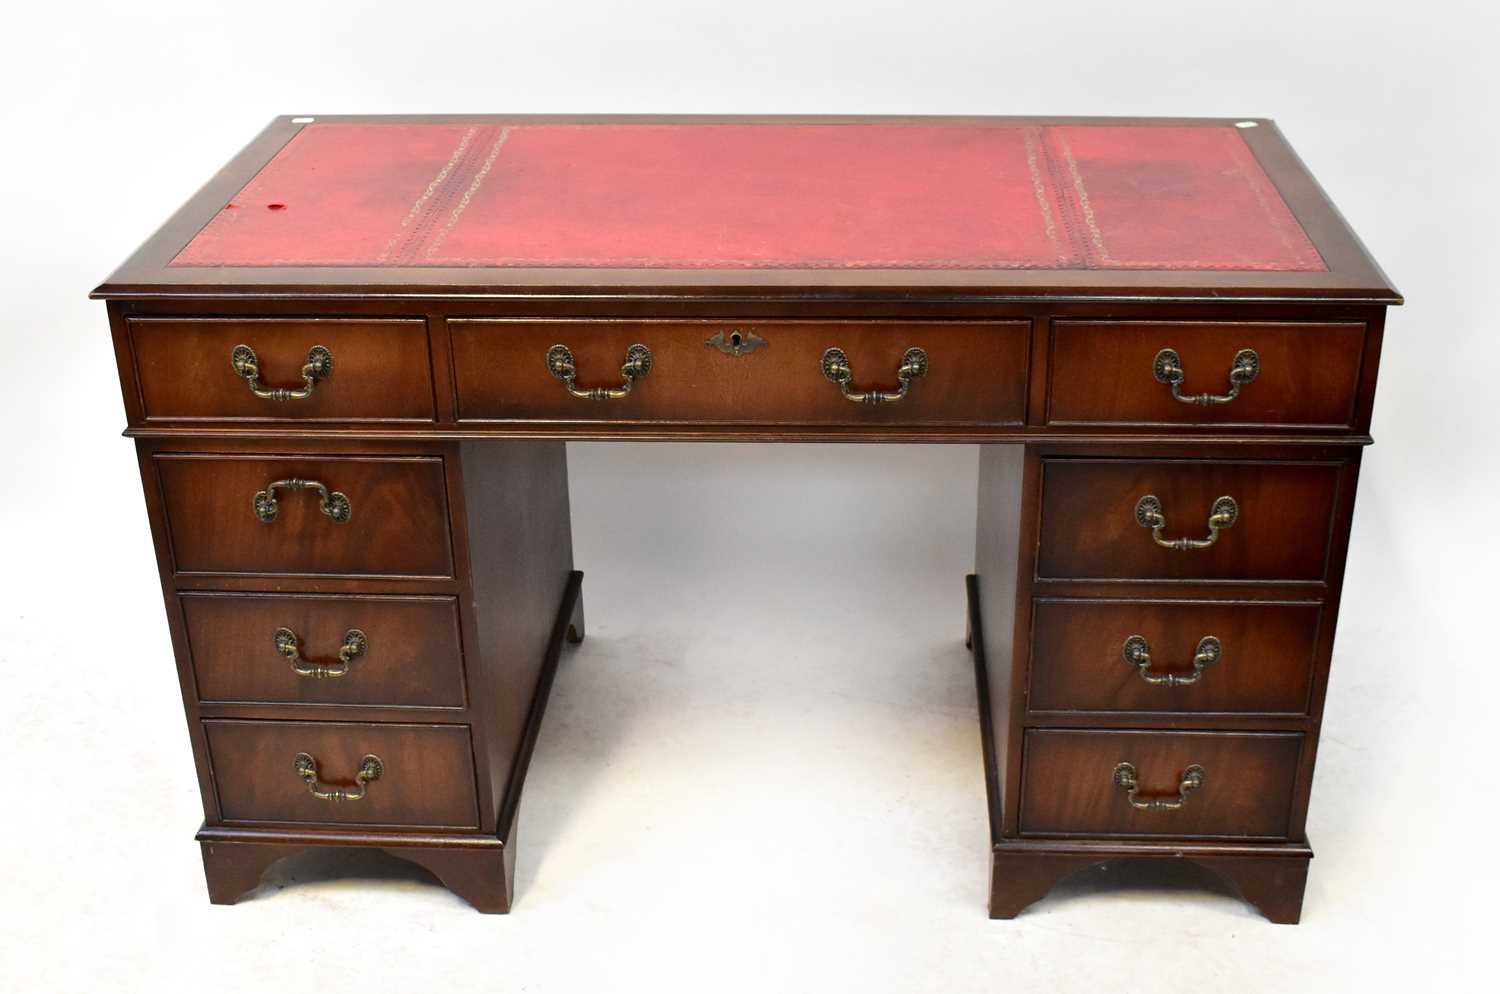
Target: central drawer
(1096,522)
(307,515)
(975,372)
(425,773)
(323,649)
(1071,784)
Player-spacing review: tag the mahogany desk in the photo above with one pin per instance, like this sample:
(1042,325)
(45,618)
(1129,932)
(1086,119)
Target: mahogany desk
(351,361)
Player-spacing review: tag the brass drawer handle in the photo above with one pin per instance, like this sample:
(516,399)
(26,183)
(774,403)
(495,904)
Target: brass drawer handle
(1167,368)
(334,504)
(354,645)
(1125,778)
(836,367)
(1138,654)
(370,768)
(247,364)
(1148,514)
(560,363)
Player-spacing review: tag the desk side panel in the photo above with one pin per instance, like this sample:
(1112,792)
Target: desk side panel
(520,543)
(1003,568)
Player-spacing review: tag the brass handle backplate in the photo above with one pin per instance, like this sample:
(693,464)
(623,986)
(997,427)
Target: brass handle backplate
(1149,514)
(355,644)
(370,768)
(247,364)
(1138,654)
(1125,778)
(835,366)
(1167,368)
(560,363)
(334,504)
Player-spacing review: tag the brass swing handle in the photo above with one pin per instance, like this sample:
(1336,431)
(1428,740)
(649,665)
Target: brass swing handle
(1125,778)
(354,645)
(370,768)
(560,363)
(247,364)
(1138,654)
(335,505)
(1167,368)
(1148,514)
(835,366)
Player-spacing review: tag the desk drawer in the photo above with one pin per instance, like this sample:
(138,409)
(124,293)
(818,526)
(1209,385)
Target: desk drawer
(1200,656)
(1092,514)
(397,521)
(1105,372)
(357,650)
(378,369)
(975,371)
(1071,786)
(425,775)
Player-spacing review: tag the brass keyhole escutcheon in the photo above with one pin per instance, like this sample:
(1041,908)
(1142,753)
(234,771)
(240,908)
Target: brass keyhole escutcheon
(736,342)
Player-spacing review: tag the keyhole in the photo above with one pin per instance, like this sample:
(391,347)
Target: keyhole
(735,339)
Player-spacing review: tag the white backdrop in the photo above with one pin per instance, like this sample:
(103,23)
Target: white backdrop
(762,770)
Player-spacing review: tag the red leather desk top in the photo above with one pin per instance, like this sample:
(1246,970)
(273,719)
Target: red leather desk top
(879,195)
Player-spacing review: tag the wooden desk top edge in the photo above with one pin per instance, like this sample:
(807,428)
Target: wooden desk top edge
(1352,276)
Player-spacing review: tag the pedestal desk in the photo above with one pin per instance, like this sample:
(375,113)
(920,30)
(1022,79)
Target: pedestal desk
(350,364)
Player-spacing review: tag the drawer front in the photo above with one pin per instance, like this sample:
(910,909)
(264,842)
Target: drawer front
(1104,372)
(397,523)
(1090,528)
(1200,657)
(976,372)
(1070,787)
(358,650)
(426,776)
(379,369)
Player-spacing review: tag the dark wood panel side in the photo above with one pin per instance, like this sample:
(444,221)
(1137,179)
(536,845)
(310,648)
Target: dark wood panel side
(177,627)
(130,390)
(518,531)
(1338,554)
(1003,567)
(1369,373)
